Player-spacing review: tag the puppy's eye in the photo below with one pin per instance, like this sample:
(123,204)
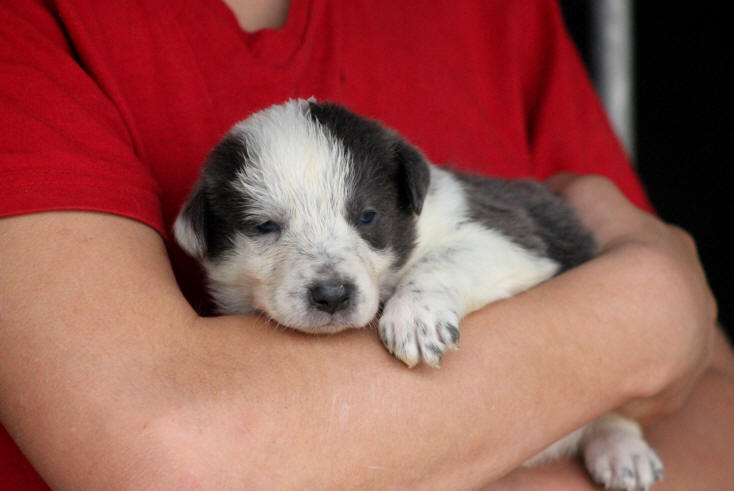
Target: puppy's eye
(367,217)
(267,227)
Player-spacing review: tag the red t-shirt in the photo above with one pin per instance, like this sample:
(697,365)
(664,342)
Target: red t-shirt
(113,108)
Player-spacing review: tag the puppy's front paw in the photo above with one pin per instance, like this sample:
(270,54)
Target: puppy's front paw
(621,460)
(419,326)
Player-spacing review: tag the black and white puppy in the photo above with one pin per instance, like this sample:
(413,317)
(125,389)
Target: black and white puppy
(319,218)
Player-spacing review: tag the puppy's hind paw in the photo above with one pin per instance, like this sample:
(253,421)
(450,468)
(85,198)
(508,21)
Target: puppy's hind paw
(621,460)
(417,328)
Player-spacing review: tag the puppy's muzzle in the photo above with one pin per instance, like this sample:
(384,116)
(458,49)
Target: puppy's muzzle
(331,296)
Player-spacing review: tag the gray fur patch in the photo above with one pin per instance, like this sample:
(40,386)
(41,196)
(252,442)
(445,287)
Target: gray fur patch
(530,215)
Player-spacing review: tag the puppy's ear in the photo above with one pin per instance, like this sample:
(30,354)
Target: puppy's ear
(413,173)
(189,229)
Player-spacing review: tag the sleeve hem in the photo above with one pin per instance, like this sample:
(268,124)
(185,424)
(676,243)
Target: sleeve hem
(40,194)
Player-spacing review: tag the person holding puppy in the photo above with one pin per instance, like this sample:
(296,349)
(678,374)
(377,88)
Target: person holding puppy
(110,378)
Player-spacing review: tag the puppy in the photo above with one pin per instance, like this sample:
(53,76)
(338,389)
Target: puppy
(320,218)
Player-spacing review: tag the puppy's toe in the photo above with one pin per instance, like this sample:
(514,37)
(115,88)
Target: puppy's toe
(448,330)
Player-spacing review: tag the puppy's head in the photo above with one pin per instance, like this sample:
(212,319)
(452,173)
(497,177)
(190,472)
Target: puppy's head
(305,211)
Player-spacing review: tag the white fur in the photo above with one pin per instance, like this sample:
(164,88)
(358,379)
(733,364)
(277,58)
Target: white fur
(299,178)
(458,266)
(309,182)
(186,237)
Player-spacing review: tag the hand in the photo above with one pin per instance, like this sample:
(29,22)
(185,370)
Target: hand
(679,294)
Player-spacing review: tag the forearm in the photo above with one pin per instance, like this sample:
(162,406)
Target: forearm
(339,409)
(695,444)
(105,385)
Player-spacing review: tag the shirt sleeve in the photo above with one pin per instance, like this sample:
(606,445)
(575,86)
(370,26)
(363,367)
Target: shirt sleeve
(64,145)
(567,127)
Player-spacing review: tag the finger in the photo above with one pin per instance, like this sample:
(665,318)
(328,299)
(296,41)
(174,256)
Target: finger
(559,182)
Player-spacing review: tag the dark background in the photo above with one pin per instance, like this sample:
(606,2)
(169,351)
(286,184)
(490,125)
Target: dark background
(683,125)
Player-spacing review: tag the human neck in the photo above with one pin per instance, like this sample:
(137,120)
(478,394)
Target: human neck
(254,15)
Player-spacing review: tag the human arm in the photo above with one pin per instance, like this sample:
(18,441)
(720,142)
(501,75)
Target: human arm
(147,394)
(694,442)
(691,440)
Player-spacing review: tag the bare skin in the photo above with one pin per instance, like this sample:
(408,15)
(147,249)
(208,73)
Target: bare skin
(106,385)
(694,442)
(254,15)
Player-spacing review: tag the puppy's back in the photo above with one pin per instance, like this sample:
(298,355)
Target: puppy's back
(530,215)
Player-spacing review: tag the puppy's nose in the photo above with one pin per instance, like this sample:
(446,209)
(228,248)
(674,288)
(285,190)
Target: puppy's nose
(331,296)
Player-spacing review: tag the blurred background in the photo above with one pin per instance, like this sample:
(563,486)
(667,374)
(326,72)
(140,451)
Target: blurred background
(661,69)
